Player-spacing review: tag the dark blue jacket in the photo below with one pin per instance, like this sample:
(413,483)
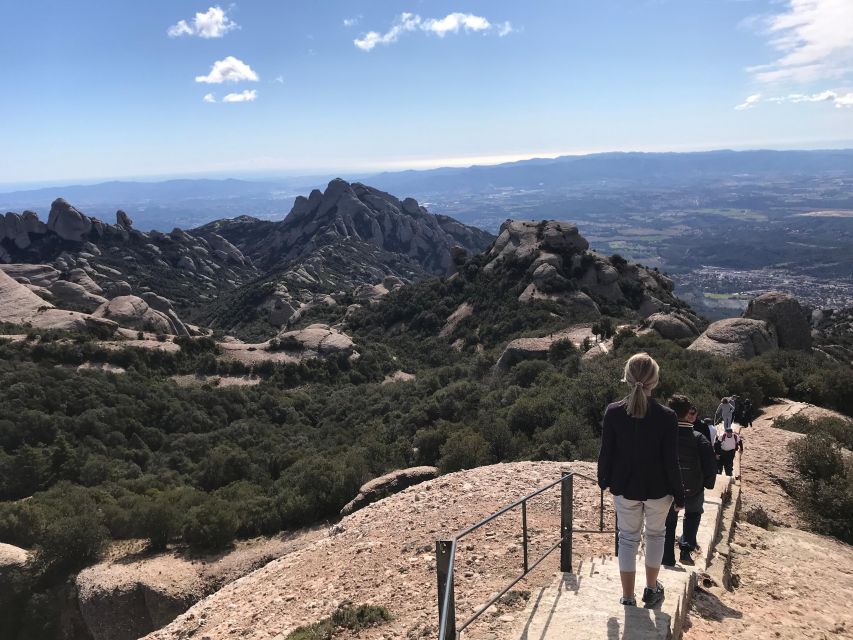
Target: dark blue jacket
(639,456)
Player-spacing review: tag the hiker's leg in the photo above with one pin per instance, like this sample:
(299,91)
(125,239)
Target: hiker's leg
(629,514)
(693,509)
(728,461)
(669,543)
(656,512)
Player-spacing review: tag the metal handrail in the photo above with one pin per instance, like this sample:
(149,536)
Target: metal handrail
(446,552)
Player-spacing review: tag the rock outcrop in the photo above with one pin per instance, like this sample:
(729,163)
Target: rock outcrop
(67,222)
(673,326)
(737,338)
(72,295)
(19,305)
(387,485)
(785,313)
(133,312)
(320,339)
(523,239)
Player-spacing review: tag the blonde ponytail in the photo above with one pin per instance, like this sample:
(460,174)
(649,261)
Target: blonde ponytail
(642,373)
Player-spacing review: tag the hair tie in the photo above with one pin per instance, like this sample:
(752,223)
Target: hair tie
(638,384)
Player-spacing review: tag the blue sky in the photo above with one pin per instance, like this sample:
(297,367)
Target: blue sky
(112,89)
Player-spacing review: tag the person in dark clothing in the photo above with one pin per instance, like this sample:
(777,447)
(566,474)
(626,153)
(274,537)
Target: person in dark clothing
(638,463)
(725,447)
(698,466)
(747,413)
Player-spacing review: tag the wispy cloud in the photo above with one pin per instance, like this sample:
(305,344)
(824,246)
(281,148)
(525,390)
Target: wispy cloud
(814,39)
(351,22)
(229,69)
(278,80)
(244,96)
(209,97)
(452,23)
(840,100)
(749,103)
(213,23)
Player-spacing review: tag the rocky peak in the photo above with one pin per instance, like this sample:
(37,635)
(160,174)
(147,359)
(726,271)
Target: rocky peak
(358,213)
(123,220)
(67,222)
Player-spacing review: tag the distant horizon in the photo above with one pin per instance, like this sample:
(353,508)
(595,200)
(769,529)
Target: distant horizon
(465,162)
(354,87)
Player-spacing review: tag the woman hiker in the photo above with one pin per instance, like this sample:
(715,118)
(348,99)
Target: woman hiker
(638,463)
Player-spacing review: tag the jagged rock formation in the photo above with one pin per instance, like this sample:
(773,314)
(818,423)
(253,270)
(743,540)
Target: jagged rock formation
(110,260)
(788,317)
(737,338)
(387,485)
(350,239)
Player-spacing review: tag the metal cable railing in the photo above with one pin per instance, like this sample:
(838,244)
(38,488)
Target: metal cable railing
(445,552)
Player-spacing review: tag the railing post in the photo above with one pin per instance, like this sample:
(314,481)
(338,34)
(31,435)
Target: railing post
(524,533)
(616,529)
(566,523)
(601,513)
(443,557)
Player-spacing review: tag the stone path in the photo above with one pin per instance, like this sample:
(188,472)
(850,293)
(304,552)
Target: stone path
(584,605)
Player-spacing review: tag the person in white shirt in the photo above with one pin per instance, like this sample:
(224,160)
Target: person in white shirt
(726,411)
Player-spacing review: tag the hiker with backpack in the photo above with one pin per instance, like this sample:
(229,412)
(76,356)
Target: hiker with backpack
(726,411)
(725,447)
(638,463)
(698,466)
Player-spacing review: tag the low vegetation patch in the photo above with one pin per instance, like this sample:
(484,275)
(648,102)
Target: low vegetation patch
(838,429)
(824,491)
(344,619)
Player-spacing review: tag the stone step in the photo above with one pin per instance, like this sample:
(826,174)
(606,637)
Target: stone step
(584,605)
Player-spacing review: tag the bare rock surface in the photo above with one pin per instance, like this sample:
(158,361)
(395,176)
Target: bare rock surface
(785,313)
(12,556)
(42,275)
(134,312)
(672,326)
(387,485)
(736,338)
(321,339)
(19,305)
(71,294)
(463,311)
(125,598)
(537,348)
(67,222)
(384,555)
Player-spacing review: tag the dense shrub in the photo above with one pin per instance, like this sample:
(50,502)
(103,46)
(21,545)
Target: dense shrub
(210,526)
(840,430)
(464,450)
(825,490)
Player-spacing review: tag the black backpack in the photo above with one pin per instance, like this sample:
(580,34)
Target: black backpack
(688,460)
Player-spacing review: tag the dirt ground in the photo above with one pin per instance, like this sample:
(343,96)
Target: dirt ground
(791,584)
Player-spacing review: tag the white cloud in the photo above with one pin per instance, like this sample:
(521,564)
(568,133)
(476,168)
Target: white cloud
(406,22)
(279,80)
(749,103)
(209,97)
(452,23)
(180,29)
(228,70)
(213,23)
(351,22)
(244,96)
(814,39)
(839,100)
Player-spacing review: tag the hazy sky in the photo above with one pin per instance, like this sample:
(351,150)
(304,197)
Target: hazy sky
(155,87)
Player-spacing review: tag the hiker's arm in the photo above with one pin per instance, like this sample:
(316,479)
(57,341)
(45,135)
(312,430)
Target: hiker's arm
(605,454)
(709,462)
(670,461)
